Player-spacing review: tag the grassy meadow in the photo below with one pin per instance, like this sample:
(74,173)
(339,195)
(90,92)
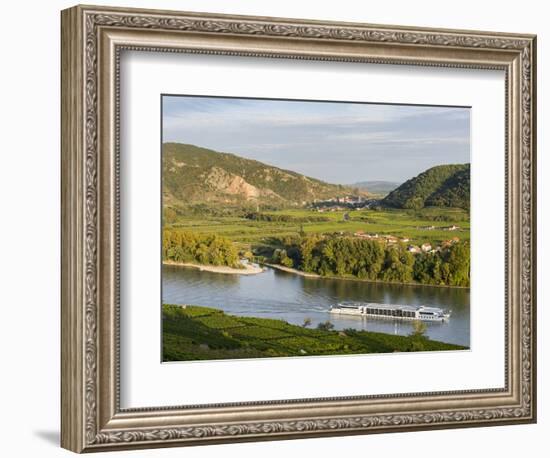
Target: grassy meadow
(411,224)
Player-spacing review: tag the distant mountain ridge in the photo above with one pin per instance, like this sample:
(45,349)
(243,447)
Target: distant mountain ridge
(192,174)
(440,186)
(376,186)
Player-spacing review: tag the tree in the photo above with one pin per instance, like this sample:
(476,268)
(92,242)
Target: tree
(307,322)
(184,246)
(373,258)
(419,328)
(280,256)
(418,336)
(307,245)
(202,254)
(326,326)
(458,258)
(398,265)
(169,215)
(285,260)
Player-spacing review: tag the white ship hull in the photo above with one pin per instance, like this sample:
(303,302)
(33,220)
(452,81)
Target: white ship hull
(393,312)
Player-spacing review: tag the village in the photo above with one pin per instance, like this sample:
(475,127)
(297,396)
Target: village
(411,248)
(348,202)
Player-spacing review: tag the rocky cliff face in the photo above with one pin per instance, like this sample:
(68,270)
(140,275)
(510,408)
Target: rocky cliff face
(198,175)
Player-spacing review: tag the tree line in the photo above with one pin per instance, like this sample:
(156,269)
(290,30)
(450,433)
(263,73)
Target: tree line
(371,260)
(185,246)
(282,218)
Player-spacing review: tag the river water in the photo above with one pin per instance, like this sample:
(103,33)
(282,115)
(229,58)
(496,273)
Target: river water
(293,298)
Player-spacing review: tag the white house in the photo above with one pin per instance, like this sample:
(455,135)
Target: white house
(426,247)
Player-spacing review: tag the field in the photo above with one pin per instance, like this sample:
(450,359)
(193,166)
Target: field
(201,333)
(412,224)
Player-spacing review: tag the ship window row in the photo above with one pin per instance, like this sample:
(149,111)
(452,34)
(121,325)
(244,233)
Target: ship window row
(386,312)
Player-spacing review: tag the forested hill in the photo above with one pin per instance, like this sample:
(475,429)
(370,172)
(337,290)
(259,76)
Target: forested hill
(440,186)
(198,175)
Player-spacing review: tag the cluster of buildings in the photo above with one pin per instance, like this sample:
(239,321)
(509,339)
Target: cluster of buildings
(343,203)
(415,249)
(342,200)
(447,228)
(335,208)
(428,248)
(390,239)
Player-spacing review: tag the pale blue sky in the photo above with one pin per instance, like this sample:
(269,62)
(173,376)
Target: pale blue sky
(336,142)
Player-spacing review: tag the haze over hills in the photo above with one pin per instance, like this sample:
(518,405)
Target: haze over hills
(440,186)
(198,175)
(376,186)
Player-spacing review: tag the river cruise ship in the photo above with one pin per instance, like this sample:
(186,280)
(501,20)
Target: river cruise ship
(402,312)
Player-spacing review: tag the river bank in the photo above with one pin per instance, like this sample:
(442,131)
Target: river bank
(248,269)
(291,270)
(352,278)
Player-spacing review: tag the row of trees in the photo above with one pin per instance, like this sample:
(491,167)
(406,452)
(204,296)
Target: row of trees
(371,260)
(282,218)
(185,246)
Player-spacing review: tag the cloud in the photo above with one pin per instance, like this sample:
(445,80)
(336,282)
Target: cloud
(197,112)
(337,142)
(388,138)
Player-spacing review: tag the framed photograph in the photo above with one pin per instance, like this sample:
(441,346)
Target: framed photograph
(278,228)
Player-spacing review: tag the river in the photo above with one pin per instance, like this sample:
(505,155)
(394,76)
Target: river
(293,298)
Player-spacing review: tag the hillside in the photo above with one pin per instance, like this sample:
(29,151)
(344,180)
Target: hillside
(198,175)
(441,186)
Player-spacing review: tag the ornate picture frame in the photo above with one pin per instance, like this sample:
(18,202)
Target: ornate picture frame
(92,41)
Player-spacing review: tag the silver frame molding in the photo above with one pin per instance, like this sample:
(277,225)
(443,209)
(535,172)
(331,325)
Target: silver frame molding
(92,40)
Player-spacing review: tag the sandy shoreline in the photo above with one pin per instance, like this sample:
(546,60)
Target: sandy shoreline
(249,269)
(293,271)
(254,269)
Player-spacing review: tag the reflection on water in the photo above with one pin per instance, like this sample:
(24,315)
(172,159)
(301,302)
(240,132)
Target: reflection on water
(289,297)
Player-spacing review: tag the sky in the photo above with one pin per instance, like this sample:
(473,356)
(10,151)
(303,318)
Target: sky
(337,142)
